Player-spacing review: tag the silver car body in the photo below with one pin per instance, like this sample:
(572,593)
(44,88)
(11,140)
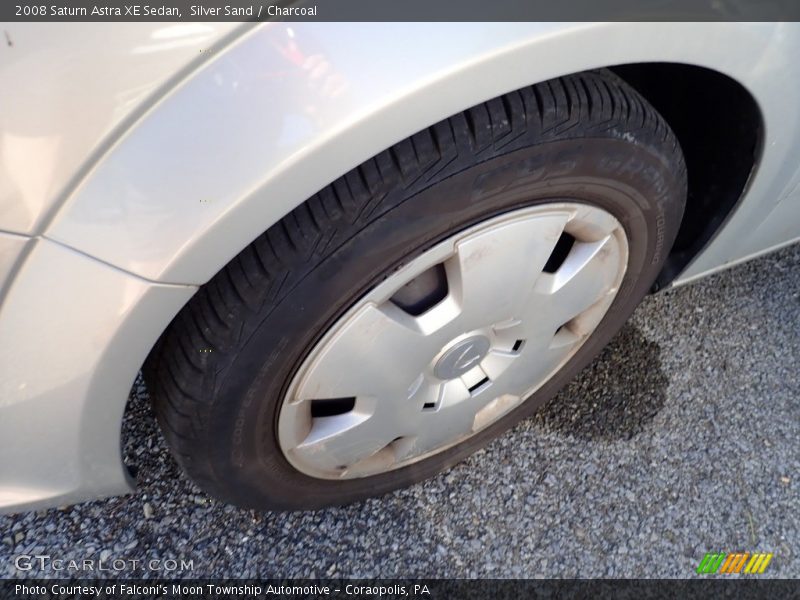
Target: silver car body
(136,159)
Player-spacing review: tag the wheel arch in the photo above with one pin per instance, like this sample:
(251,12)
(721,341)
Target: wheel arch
(255,133)
(721,138)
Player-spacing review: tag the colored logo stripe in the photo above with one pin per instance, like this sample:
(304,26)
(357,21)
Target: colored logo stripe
(724,563)
(710,562)
(734,562)
(758,563)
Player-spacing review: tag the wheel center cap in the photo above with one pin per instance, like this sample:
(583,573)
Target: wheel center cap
(461,357)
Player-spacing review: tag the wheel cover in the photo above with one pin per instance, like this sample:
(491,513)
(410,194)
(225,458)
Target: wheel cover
(385,388)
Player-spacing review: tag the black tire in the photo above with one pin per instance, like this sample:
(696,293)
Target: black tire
(586,138)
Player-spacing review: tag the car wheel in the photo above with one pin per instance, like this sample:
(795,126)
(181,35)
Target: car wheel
(426,301)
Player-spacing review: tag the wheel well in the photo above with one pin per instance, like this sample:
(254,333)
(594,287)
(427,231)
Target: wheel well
(719,127)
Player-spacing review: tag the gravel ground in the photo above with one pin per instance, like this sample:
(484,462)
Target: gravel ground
(682,438)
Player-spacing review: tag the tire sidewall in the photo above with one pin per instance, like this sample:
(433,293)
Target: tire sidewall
(637,184)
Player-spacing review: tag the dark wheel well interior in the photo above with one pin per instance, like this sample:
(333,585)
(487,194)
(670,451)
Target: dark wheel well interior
(719,127)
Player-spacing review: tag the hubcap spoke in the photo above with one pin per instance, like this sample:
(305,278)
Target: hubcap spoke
(496,362)
(583,280)
(535,366)
(338,442)
(373,355)
(449,425)
(497,269)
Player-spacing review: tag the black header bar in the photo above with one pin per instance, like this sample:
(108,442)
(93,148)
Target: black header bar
(399,10)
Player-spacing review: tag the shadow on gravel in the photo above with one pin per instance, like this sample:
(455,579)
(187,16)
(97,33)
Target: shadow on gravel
(613,398)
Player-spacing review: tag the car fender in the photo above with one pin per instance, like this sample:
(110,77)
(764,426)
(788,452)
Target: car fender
(288,107)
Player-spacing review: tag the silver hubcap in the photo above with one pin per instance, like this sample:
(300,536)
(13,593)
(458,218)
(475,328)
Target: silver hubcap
(387,386)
